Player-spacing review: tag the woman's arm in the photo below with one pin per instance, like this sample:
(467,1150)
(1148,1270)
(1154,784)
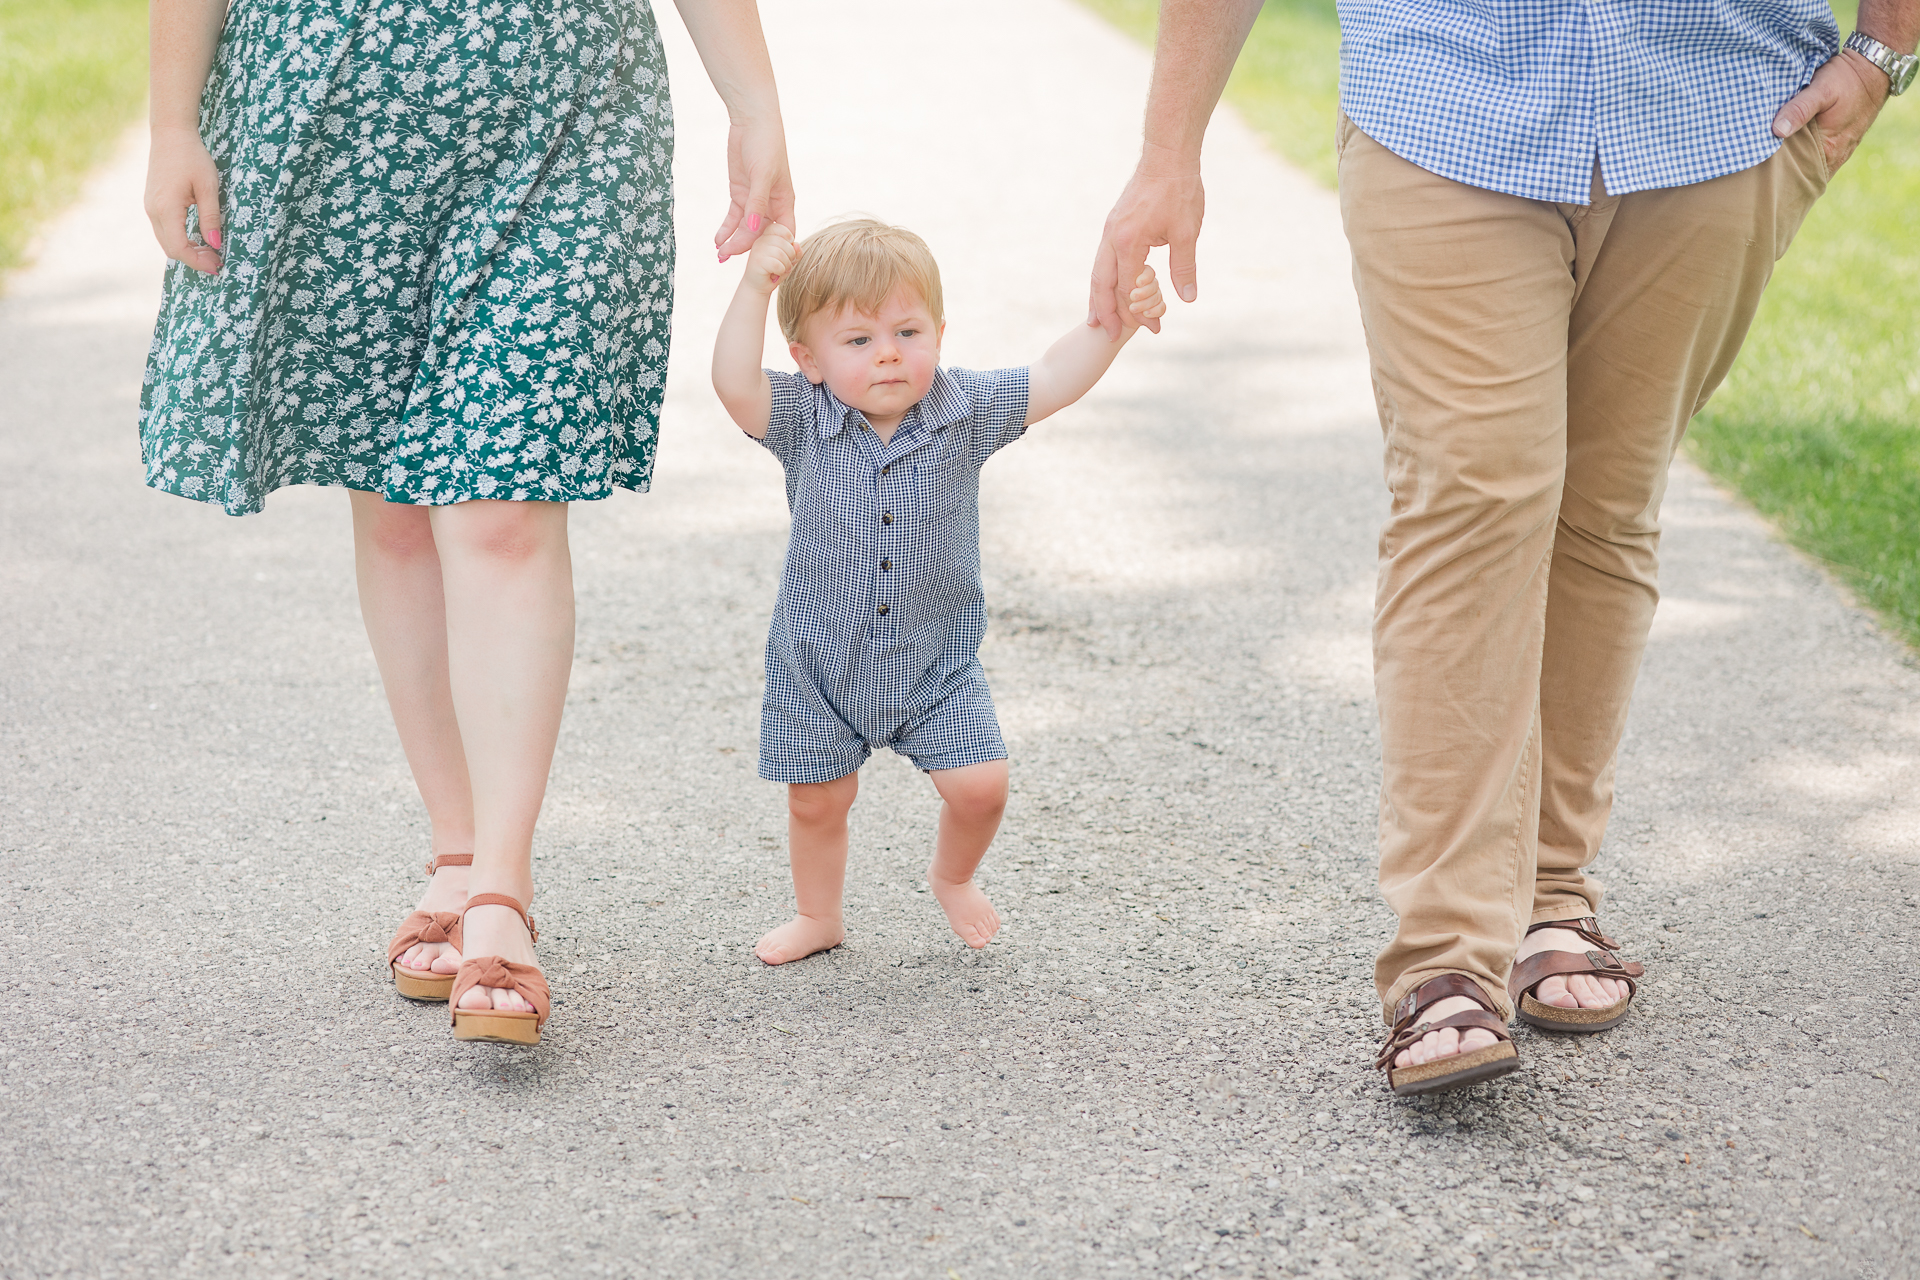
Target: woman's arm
(1073,364)
(738,376)
(734,51)
(180,173)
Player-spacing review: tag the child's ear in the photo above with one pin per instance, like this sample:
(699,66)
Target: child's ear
(804,358)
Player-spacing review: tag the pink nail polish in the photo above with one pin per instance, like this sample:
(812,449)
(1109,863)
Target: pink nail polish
(213,238)
(753,222)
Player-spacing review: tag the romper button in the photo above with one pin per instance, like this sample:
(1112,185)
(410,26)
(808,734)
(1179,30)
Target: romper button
(883,611)
(886,566)
(886,517)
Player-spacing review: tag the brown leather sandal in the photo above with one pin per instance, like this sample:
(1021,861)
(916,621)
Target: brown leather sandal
(1461,1069)
(426,926)
(1529,973)
(505,1025)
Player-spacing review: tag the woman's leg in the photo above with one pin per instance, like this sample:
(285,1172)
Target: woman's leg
(508,579)
(404,608)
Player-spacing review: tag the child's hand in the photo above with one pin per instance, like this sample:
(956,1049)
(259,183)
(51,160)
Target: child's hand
(1145,302)
(771,257)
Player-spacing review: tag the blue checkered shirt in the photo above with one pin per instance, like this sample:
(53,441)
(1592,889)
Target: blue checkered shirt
(881,606)
(1521,96)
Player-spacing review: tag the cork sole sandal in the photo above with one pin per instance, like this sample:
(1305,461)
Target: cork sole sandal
(501,1025)
(1602,963)
(426,926)
(1458,1070)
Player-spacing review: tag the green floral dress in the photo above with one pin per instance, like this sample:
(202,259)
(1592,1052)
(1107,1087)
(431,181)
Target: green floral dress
(448,256)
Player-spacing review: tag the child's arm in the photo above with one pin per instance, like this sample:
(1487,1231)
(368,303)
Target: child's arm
(180,173)
(1073,364)
(737,372)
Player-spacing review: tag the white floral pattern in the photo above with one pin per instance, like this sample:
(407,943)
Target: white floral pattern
(448,256)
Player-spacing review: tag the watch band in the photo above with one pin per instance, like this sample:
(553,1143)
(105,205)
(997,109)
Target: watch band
(1900,67)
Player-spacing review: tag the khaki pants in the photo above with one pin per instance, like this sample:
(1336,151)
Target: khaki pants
(1535,366)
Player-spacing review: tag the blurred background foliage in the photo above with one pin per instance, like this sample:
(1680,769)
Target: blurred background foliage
(1818,426)
(73,75)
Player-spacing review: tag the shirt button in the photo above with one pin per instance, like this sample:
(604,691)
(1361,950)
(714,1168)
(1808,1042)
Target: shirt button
(883,611)
(886,566)
(886,468)
(886,517)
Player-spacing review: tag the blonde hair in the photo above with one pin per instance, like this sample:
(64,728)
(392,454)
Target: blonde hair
(859,262)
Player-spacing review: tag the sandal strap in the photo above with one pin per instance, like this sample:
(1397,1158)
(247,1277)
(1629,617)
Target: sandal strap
(1408,1029)
(425,926)
(504,975)
(440,860)
(502,900)
(1535,969)
(1586,926)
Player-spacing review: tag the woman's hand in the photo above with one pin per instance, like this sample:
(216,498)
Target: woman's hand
(759,187)
(181,175)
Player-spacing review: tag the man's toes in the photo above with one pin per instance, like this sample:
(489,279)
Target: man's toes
(1554,991)
(1443,1043)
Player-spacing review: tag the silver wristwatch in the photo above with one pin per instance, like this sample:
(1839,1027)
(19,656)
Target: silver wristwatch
(1900,68)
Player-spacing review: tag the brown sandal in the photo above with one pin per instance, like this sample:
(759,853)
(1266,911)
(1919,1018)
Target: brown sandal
(505,1025)
(1461,1069)
(1529,973)
(426,926)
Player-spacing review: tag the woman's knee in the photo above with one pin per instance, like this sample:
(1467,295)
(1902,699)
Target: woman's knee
(500,531)
(393,530)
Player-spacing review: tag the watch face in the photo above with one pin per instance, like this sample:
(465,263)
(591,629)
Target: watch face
(1904,76)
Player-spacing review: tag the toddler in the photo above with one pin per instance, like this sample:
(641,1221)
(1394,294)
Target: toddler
(876,632)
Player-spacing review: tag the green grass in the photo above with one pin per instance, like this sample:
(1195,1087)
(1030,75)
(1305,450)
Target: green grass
(1818,425)
(1287,83)
(73,74)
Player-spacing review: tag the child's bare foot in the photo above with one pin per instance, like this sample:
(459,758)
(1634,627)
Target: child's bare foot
(968,911)
(798,938)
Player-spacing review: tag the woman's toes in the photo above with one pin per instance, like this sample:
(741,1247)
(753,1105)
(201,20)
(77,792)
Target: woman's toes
(509,1001)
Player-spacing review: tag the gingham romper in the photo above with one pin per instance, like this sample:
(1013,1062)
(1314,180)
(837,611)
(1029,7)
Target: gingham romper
(875,639)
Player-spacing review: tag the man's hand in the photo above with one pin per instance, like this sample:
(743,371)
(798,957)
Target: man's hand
(1163,204)
(1844,98)
(771,257)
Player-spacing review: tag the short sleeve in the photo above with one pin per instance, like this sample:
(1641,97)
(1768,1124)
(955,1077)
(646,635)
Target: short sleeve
(786,425)
(997,400)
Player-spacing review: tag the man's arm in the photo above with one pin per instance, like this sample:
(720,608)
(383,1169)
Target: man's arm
(1163,202)
(1073,364)
(1847,92)
(738,377)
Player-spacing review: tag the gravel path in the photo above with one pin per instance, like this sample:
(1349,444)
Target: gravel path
(1159,1069)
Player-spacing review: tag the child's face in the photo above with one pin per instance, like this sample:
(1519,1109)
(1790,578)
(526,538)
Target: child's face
(879,363)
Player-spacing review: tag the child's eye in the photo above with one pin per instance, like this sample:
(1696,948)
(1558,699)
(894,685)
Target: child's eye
(906,333)
(858,342)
